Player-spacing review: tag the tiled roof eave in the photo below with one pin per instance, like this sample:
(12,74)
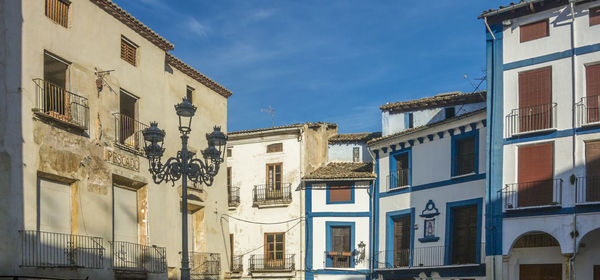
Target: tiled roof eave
(196,75)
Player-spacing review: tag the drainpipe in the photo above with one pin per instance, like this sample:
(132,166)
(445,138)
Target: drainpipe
(574,233)
(489,157)
(372,231)
(302,231)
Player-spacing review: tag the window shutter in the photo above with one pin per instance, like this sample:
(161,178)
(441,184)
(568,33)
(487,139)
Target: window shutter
(535,99)
(340,193)
(128,52)
(534,30)
(535,174)
(274,148)
(594,14)
(464,234)
(58,11)
(592,77)
(592,167)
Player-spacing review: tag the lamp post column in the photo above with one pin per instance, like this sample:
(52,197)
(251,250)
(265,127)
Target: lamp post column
(185,262)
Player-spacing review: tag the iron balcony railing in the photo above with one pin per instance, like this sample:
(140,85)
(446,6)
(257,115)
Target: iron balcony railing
(57,103)
(272,194)
(281,262)
(237,266)
(337,259)
(128,131)
(531,119)
(432,256)
(49,249)
(588,110)
(204,264)
(398,179)
(234,196)
(532,194)
(133,257)
(588,190)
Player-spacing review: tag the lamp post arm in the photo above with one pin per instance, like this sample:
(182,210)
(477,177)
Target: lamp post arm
(170,171)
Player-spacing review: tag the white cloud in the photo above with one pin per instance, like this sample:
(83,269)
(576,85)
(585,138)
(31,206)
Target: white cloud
(197,28)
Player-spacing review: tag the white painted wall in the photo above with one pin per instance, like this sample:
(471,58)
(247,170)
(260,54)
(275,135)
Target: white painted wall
(344,151)
(361,200)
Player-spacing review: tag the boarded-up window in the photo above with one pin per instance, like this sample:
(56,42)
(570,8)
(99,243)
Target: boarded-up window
(58,11)
(535,99)
(464,161)
(340,192)
(534,30)
(592,77)
(464,234)
(54,210)
(402,230)
(535,174)
(540,271)
(594,15)
(274,148)
(592,169)
(341,249)
(128,51)
(125,214)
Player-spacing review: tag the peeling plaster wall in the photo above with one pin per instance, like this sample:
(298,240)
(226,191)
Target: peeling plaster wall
(31,147)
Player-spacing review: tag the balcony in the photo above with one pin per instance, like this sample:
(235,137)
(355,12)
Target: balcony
(237,265)
(272,195)
(234,197)
(532,119)
(128,132)
(538,194)
(262,263)
(588,111)
(204,264)
(398,180)
(133,257)
(426,257)
(338,259)
(54,103)
(49,249)
(588,190)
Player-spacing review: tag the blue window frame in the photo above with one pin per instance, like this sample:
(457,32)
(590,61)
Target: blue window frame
(395,179)
(460,168)
(389,234)
(329,243)
(450,206)
(350,185)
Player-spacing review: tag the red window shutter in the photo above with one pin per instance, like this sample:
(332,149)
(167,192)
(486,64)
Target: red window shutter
(536,172)
(592,169)
(535,99)
(592,77)
(534,30)
(340,193)
(594,14)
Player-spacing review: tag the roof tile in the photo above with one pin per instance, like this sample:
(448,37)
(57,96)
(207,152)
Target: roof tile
(440,100)
(343,170)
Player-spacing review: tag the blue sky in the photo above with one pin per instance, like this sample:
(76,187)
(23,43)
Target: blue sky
(332,61)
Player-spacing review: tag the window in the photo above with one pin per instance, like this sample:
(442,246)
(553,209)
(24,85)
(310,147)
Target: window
(128,51)
(54,206)
(341,247)
(274,185)
(534,30)
(274,250)
(594,14)
(409,120)
(128,132)
(341,192)
(540,271)
(592,171)
(125,213)
(58,11)
(402,231)
(229,151)
(399,169)
(535,100)
(449,112)
(189,93)
(592,99)
(535,172)
(464,234)
(274,148)
(464,153)
(356,154)
(55,95)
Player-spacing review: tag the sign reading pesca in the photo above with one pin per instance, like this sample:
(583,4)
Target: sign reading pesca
(122,160)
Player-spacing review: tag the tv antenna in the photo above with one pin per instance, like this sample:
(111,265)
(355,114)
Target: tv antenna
(271,111)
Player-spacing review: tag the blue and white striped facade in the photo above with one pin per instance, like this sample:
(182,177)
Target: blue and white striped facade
(572,44)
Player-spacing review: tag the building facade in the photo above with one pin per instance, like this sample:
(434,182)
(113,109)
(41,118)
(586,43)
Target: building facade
(428,200)
(543,78)
(264,168)
(79,81)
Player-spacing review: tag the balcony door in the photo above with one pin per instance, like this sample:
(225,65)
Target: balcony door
(273,189)
(125,214)
(274,250)
(401,170)
(464,234)
(56,103)
(402,231)
(592,170)
(535,99)
(341,249)
(535,175)
(128,120)
(592,73)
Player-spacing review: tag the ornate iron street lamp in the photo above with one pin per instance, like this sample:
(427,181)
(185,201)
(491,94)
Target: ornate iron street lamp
(184,166)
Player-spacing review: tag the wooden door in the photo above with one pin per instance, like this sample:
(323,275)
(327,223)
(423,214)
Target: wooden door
(535,99)
(596,272)
(231,251)
(535,174)
(274,250)
(464,234)
(592,76)
(273,189)
(402,170)
(340,246)
(592,170)
(402,231)
(540,272)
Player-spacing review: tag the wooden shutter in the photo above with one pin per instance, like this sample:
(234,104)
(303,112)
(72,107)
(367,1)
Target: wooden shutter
(128,51)
(58,11)
(464,234)
(340,246)
(535,174)
(340,193)
(592,77)
(465,156)
(231,251)
(535,99)
(540,271)
(402,231)
(534,30)
(402,170)
(274,148)
(592,167)
(594,14)
(596,272)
